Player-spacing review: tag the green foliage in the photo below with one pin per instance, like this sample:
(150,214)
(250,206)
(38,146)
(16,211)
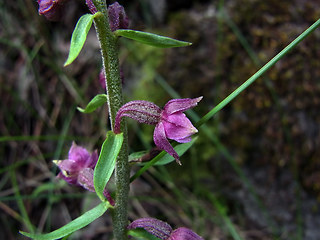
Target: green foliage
(151,39)
(106,162)
(95,103)
(72,226)
(79,37)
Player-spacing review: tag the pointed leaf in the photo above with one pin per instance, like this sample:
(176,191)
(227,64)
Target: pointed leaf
(74,225)
(151,39)
(79,36)
(141,234)
(95,103)
(106,162)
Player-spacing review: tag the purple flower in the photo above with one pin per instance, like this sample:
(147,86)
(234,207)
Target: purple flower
(78,169)
(78,159)
(163,230)
(175,125)
(184,234)
(170,122)
(117,17)
(154,226)
(51,9)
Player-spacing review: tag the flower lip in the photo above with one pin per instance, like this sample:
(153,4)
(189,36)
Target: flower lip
(161,141)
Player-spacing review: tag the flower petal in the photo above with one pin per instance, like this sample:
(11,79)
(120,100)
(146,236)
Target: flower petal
(79,154)
(154,226)
(71,179)
(51,9)
(85,179)
(180,105)
(184,140)
(68,165)
(178,127)
(160,139)
(117,17)
(92,161)
(141,111)
(184,234)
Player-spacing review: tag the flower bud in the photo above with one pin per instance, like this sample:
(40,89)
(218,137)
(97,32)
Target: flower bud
(154,226)
(184,234)
(91,6)
(51,9)
(117,17)
(141,111)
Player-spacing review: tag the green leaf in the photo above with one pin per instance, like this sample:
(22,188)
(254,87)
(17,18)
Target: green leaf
(96,102)
(137,155)
(106,162)
(74,225)
(180,149)
(79,36)
(141,234)
(151,39)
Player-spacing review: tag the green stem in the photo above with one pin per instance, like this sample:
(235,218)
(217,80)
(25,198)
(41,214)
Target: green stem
(258,74)
(109,50)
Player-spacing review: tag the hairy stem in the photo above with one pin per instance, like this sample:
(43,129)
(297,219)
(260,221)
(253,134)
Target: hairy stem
(109,51)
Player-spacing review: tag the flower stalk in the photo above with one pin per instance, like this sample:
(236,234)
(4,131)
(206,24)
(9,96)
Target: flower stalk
(109,51)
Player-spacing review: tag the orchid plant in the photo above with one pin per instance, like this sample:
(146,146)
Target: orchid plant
(92,171)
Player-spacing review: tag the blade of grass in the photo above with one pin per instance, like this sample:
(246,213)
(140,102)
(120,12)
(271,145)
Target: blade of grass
(22,209)
(224,17)
(223,213)
(40,138)
(258,74)
(56,197)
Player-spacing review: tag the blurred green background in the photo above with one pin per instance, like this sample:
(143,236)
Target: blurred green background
(254,171)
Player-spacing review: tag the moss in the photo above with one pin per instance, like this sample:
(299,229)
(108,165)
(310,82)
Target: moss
(276,125)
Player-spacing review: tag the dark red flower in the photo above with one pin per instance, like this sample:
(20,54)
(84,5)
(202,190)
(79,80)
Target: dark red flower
(51,9)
